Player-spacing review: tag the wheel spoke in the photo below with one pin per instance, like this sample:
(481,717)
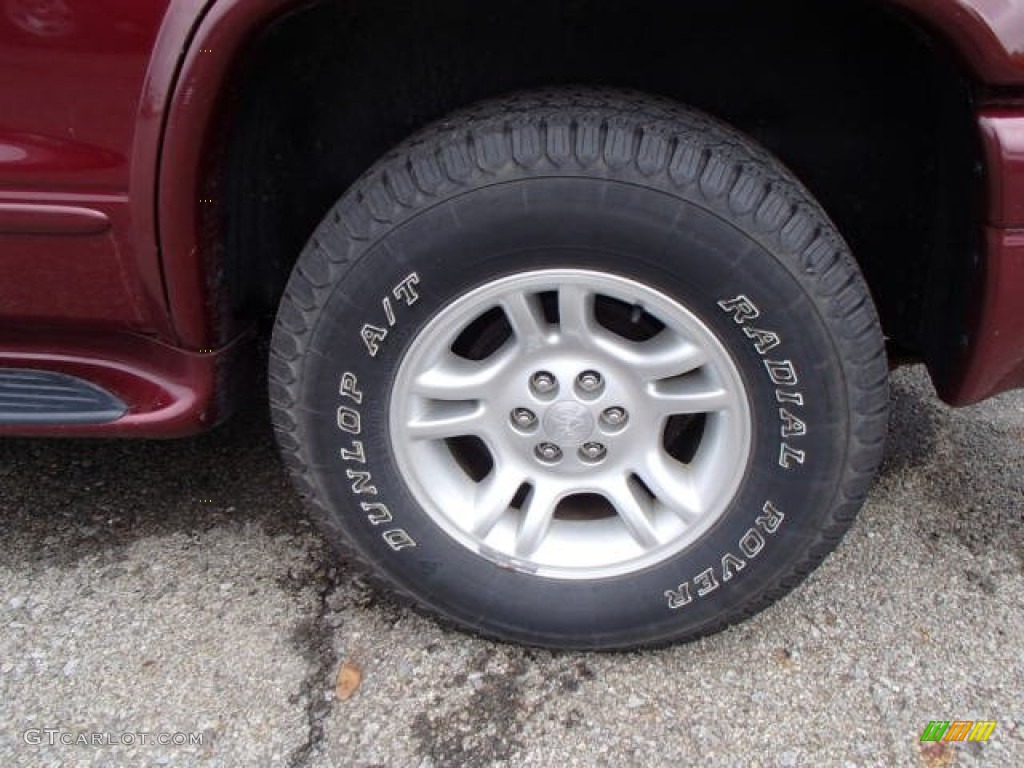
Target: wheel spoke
(688,396)
(633,511)
(537,515)
(672,486)
(443,420)
(492,500)
(666,355)
(575,312)
(524,315)
(456,378)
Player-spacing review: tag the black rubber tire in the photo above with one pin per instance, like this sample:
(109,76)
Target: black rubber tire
(615,181)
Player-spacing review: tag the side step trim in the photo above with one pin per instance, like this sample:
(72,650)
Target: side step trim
(30,396)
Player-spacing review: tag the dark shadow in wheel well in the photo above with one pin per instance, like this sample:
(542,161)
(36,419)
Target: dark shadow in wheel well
(870,112)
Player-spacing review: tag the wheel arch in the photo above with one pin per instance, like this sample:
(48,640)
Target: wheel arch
(208,267)
(985,33)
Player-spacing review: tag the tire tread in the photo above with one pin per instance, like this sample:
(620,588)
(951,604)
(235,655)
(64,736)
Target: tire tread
(671,146)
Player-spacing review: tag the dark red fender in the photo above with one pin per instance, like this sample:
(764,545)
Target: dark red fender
(101,262)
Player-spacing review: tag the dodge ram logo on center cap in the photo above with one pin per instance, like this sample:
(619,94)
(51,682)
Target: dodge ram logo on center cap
(568,423)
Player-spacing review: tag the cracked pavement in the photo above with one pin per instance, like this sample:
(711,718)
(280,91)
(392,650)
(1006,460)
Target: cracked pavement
(150,587)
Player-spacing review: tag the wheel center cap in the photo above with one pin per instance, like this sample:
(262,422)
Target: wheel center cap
(568,423)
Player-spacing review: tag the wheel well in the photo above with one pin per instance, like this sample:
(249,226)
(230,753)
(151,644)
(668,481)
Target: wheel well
(871,113)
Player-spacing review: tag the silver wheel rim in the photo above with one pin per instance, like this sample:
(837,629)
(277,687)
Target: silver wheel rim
(571,424)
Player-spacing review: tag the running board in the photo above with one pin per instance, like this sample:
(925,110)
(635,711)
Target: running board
(45,397)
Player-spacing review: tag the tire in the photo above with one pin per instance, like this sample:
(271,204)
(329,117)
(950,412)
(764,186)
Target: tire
(580,369)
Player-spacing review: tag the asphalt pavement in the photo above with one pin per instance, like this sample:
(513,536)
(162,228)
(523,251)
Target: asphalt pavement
(165,603)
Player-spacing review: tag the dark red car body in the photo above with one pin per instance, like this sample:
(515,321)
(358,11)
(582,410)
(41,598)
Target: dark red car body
(108,109)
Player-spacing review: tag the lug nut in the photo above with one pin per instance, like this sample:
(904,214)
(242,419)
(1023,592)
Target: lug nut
(548,452)
(523,418)
(589,381)
(543,383)
(614,417)
(593,451)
